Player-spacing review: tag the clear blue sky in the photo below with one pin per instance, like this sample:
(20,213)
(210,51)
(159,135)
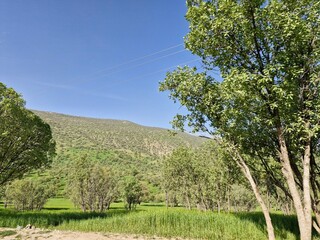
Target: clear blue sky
(94,58)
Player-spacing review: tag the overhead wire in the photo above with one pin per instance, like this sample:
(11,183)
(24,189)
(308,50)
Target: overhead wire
(158,71)
(135,66)
(136,59)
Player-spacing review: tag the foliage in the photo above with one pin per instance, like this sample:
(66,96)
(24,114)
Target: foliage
(268,103)
(25,139)
(91,186)
(178,175)
(27,194)
(201,177)
(132,192)
(115,144)
(241,198)
(103,135)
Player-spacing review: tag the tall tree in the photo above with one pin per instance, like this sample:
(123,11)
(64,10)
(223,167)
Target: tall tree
(267,105)
(25,140)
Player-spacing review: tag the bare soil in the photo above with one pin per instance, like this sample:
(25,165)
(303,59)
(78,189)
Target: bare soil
(41,234)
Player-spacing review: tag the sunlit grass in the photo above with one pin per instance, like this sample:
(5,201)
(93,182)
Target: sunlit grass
(172,223)
(153,219)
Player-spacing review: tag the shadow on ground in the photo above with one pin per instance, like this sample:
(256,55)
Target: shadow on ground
(283,224)
(52,217)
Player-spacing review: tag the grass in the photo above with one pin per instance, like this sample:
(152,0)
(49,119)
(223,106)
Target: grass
(154,219)
(172,223)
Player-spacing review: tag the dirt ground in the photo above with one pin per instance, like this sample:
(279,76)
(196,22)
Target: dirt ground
(41,234)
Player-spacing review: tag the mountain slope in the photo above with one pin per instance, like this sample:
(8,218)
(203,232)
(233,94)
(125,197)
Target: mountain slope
(126,147)
(105,134)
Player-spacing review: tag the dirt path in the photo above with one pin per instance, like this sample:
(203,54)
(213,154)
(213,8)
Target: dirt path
(40,234)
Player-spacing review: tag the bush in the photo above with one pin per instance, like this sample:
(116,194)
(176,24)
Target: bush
(132,192)
(27,194)
(91,186)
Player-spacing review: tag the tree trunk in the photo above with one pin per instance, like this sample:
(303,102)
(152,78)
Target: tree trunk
(245,169)
(228,198)
(188,202)
(306,189)
(303,209)
(167,200)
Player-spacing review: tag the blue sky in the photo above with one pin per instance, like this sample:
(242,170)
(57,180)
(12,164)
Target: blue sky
(94,58)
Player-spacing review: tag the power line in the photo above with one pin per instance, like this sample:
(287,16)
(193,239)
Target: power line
(135,60)
(137,65)
(158,71)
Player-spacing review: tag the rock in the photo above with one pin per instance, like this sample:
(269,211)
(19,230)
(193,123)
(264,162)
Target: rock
(29,226)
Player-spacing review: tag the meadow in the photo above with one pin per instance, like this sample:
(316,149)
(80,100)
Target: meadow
(153,219)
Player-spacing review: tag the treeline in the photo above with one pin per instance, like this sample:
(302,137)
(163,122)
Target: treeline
(90,186)
(204,178)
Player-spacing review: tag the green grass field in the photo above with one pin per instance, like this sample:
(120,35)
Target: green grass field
(151,219)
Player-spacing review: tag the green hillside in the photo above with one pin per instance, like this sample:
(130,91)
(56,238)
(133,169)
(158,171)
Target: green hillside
(124,146)
(105,134)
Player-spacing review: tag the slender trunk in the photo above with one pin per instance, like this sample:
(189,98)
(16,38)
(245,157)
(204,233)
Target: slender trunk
(303,209)
(316,226)
(188,202)
(264,207)
(306,189)
(228,198)
(167,200)
(315,198)
(245,169)
(316,223)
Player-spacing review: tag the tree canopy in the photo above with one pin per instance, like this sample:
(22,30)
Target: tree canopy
(25,140)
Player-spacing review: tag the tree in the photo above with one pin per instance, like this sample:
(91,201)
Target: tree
(179,175)
(132,192)
(27,194)
(267,106)
(91,186)
(25,140)
(198,177)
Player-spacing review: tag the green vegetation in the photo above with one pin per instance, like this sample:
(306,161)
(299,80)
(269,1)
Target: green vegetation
(25,139)
(264,116)
(201,177)
(151,220)
(27,194)
(119,145)
(266,107)
(132,192)
(113,137)
(91,186)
